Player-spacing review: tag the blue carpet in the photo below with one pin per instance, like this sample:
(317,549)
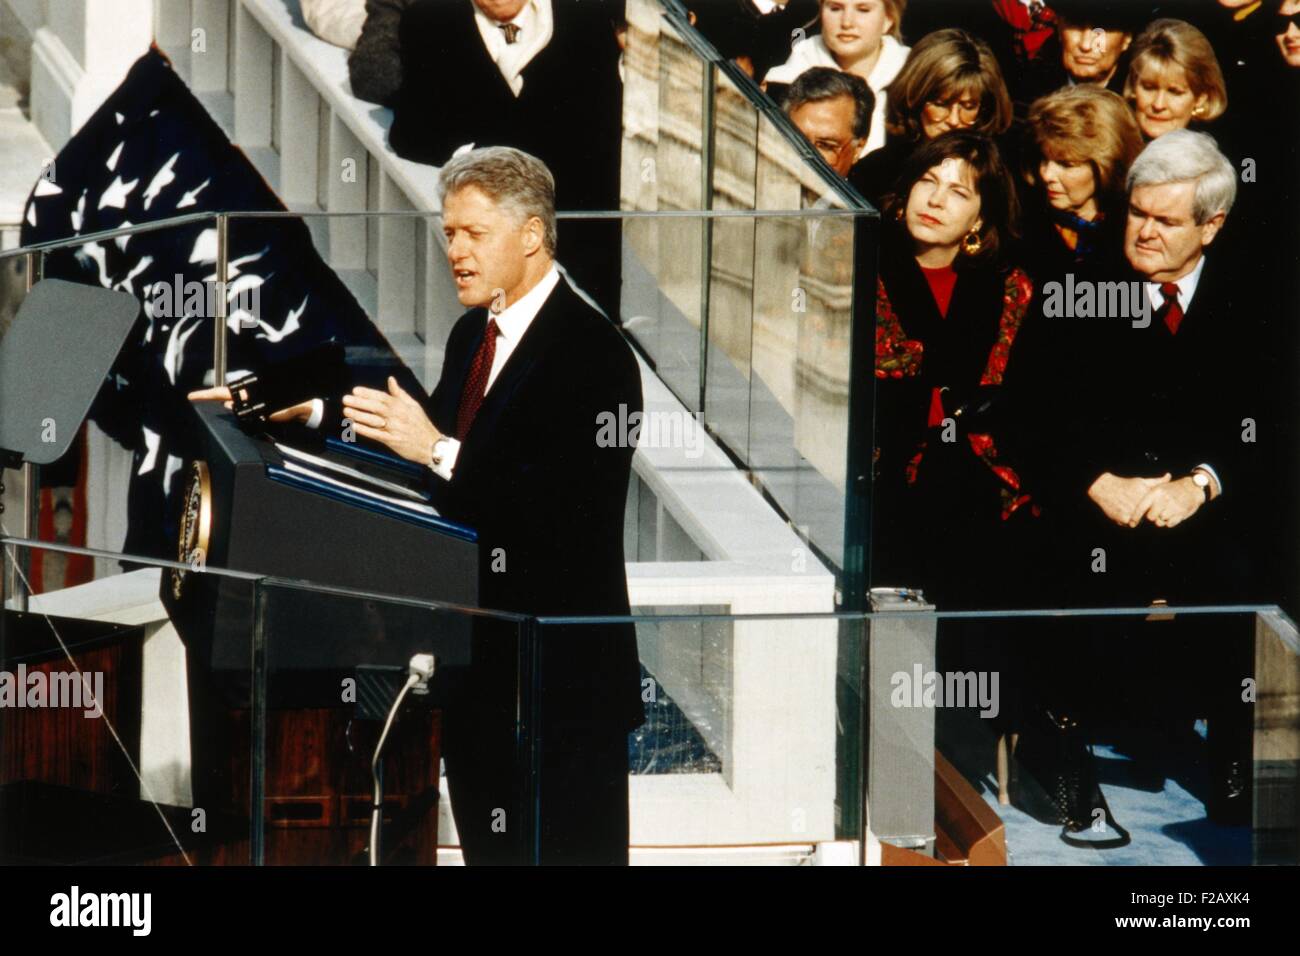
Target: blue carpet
(1168,825)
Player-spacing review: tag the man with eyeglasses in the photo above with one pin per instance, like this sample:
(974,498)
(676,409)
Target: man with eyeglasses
(833,111)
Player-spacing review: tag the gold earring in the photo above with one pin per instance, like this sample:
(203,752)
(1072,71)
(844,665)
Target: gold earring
(971,243)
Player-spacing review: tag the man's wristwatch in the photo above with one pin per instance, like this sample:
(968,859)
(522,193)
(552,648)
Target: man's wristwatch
(1201,480)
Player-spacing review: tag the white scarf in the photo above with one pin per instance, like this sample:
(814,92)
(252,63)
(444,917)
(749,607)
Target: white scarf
(813,52)
(536,26)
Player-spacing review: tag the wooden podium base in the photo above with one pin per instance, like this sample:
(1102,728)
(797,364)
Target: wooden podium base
(317,781)
(69,794)
(60,745)
(318,788)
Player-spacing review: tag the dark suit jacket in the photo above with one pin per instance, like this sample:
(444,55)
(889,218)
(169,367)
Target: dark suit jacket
(1046,74)
(546,498)
(569,113)
(873,175)
(737,28)
(1042,252)
(1098,395)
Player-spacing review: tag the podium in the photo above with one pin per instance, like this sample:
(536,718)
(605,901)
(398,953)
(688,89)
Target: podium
(260,506)
(352,523)
(293,566)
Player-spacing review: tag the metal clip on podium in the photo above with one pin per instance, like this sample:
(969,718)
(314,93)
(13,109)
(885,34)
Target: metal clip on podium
(53,361)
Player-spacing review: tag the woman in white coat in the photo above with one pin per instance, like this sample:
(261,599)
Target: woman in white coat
(859,37)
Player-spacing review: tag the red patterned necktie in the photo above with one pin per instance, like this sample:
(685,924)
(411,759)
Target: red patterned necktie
(476,383)
(1173,311)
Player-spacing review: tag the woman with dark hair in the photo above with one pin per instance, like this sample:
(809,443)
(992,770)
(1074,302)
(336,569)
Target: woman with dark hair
(947,315)
(1082,140)
(951,81)
(948,509)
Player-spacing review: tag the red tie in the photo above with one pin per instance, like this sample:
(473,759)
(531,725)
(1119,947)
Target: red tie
(476,384)
(936,416)
(1173,311)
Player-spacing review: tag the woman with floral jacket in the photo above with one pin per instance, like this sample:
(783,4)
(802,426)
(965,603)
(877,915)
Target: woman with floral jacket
(948,504)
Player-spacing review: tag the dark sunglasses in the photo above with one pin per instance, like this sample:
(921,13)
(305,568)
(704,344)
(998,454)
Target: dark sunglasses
(1285,21)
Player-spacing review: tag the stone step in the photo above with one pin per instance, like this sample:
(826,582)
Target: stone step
(25,156)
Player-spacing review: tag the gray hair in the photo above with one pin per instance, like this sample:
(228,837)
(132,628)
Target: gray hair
(821,83)
(512,178)
(1187,156)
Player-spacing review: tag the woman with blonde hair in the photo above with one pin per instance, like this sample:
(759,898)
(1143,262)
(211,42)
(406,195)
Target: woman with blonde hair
(951,81)
(1174,79)
(1082,140)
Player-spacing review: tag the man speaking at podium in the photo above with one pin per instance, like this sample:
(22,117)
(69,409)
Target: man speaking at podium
(510,431)
(510,434)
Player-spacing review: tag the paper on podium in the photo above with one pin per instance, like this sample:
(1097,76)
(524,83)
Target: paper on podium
(416,507)
(316,462)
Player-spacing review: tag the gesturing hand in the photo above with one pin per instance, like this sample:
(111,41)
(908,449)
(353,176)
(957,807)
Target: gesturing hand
(1119,497)
(393,418)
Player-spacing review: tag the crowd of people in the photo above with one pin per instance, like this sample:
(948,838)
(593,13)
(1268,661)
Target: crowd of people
(1033,116)
(1086,205)
(1086,276)
(1100,155)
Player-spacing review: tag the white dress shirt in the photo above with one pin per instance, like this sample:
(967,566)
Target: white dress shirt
(813,52)
(536,25)
(1186,289)
(512,323)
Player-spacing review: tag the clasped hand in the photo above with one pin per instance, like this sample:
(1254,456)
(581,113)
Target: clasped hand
(1164,502)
